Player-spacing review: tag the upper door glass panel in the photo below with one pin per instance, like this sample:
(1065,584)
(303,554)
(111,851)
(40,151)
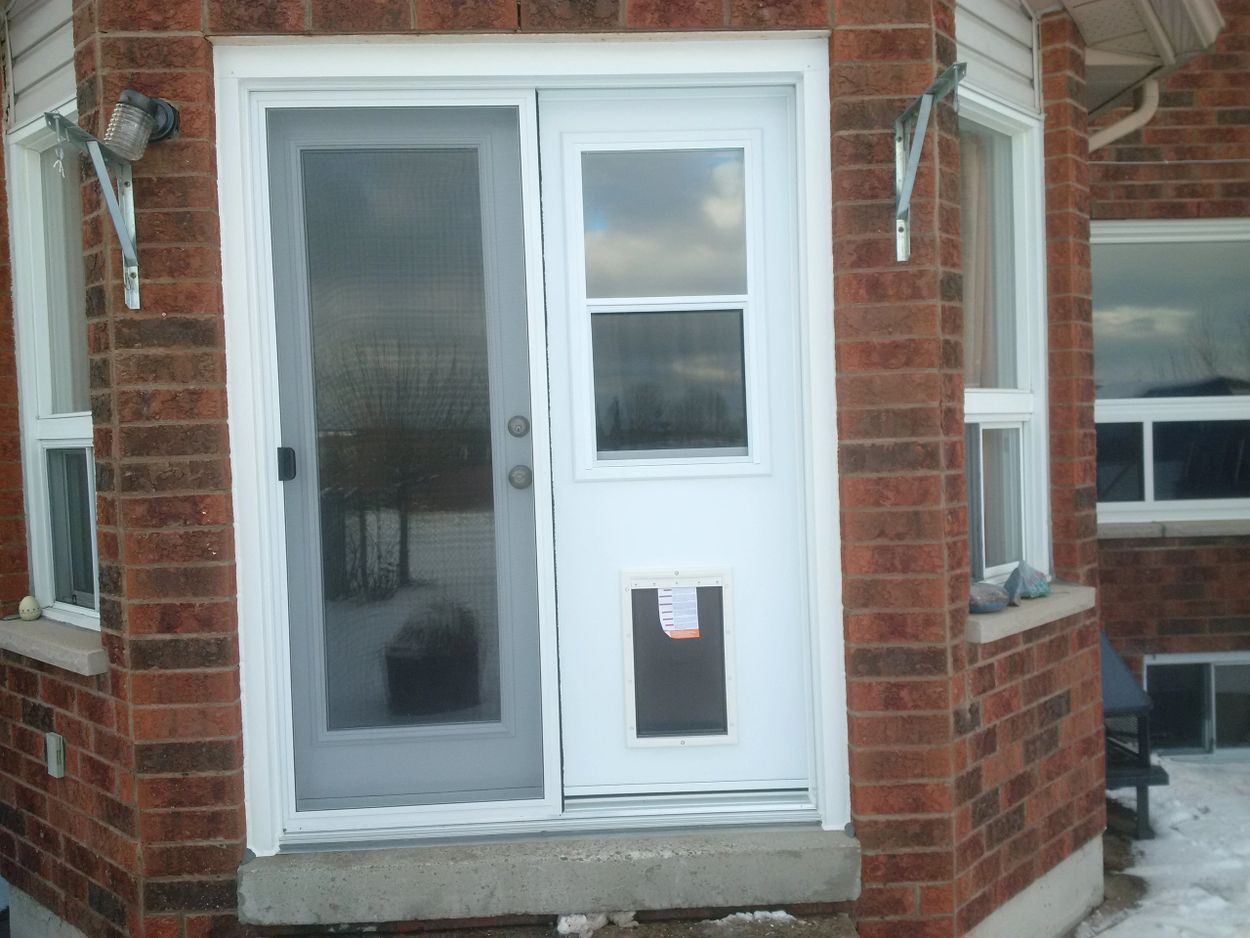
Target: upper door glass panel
(664,222)
(1171,320)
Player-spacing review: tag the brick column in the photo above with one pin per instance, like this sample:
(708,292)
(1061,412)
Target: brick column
(13,571)
(1073,471)
(900,422)
(162,469)
(69,843)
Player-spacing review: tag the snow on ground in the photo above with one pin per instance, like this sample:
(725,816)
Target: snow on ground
(1197,868)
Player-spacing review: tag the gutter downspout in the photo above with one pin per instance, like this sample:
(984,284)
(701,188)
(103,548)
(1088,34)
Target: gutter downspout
(1147,105)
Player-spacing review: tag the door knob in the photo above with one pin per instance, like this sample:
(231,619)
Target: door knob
(518,426)
(520,477)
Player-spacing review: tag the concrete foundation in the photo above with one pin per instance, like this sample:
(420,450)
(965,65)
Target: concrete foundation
(727,869)
(28,919)
(1052,905)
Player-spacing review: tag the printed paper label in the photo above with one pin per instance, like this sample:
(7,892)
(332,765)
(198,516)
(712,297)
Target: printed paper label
(679,611)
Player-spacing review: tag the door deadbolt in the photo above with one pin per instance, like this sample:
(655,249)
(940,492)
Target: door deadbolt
(520,477)
(518,426)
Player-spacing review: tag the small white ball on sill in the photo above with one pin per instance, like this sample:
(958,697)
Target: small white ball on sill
(29,609)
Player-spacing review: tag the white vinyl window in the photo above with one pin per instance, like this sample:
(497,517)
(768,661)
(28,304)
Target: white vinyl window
(1003,237)
(1172,370)
(1201,701)
(51,318)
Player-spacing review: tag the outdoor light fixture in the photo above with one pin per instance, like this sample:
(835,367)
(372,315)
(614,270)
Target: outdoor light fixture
(136,120)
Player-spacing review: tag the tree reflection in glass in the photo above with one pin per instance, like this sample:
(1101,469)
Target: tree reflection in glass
(402,399)
(669,381)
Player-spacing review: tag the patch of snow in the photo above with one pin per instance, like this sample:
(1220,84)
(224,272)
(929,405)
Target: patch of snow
(583,926)
(740,918)
(1197,868)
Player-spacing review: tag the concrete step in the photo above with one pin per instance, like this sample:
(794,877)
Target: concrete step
(816,926)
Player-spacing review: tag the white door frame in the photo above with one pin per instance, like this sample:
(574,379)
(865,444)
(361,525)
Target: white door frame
(252,77)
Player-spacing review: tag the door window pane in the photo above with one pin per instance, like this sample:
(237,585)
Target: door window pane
(1121,476)
(73,546)
(988,257)
(1202,459)
(402,396)
(664,222)
(1171,319)
(669,381)
(66,283)
(1180,695)
(1232,705)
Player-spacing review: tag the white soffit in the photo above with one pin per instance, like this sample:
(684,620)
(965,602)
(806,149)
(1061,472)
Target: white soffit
(1129,41)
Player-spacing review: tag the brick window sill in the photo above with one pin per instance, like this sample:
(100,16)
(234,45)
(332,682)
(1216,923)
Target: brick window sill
(64,646)
(1065,599)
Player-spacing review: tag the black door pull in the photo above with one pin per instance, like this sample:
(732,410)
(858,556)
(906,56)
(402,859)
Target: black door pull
(286,464)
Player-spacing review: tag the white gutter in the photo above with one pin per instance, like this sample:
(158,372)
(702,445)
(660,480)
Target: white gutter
(1147,104)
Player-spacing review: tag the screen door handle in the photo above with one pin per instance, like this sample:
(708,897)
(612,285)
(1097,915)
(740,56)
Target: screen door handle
(286,464)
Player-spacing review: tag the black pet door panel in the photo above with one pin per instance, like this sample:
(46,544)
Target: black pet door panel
(679,681)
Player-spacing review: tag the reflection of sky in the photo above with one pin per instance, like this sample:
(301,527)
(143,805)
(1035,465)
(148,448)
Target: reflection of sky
(1168,317)
(664,222)
(670,373)
(396,285)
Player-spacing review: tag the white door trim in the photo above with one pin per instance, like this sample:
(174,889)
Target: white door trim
(252,77)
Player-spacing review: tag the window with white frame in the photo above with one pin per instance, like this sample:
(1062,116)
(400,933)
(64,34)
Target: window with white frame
(50,307)
(1201,702)
(1004,337)
(1172,369)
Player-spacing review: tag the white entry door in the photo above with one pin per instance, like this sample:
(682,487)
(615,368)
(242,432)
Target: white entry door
(675,378)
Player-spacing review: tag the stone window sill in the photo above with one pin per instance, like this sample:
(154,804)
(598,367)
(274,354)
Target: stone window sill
(65,646)
(1145,529)
(1065,599)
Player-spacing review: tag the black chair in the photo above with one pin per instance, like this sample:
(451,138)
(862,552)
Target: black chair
(1126,715)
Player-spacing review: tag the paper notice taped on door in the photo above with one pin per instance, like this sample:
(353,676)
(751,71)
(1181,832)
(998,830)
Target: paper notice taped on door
(679,611)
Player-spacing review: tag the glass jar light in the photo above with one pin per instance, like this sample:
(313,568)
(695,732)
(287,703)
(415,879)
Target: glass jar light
(137,119)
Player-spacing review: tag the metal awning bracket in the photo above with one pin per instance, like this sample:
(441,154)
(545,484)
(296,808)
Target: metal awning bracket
(120,201)
(909,134)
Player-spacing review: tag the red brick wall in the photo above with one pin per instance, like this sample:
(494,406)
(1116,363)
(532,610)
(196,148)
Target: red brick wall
(900,423)
(970,767)
(146,828)
(1033,787)
(1164,595)
(1191,161)
(12,508)
(69,842)
(1030,784)
(1005,740)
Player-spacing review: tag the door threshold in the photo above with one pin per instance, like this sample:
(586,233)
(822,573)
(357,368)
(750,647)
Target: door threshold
(706,805)
(598,815)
